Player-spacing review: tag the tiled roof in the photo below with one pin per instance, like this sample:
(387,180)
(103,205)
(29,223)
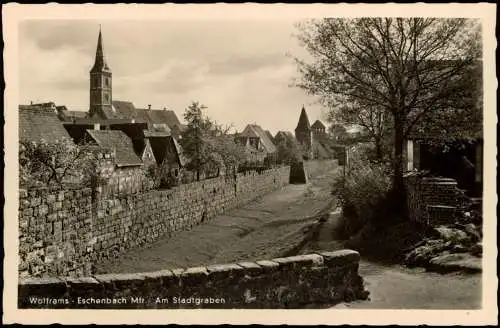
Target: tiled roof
(153,134)
(249,132)
(318,125)
(303,124)
(269,135)
(283,135)
(166,148)
(160,116)
(37,123)
(320,151)
(118,140)
(253,131)
(94,120)
(69,115)
(142,114)
(180,153)
(124,109)
(109,113)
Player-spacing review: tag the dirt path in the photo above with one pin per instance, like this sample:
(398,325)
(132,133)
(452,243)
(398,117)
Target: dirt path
(273,226)
(397,287)
(266,228)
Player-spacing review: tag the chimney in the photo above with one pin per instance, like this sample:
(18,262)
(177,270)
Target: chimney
(149,107)
(31,102)
(164,108)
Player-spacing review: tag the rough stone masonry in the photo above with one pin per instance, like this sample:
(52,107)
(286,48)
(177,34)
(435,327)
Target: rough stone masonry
(291,282)
(62,233)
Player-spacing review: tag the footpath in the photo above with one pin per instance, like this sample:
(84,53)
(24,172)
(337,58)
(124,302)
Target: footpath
(273,226)
(398,287)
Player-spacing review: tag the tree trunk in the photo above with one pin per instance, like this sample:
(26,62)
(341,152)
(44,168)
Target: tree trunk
(398,187)
(378,149)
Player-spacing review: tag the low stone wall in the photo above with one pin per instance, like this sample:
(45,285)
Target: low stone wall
(433,201)
(65,232)
(292,282)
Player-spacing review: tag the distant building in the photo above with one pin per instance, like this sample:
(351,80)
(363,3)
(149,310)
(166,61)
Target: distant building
(119,142)
(319,130)
(462,161)
(70,115)
(257,143)
(270,136)
(283,137)
(101,95)
(103,107)
(303,133)
(38,123)
(162,120)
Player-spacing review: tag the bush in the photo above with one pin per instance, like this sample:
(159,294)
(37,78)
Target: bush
(364,196)
(162,176)
(58,163)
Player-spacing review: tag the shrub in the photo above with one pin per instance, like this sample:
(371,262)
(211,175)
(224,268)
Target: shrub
(57,163)
(363,194)
(162,176)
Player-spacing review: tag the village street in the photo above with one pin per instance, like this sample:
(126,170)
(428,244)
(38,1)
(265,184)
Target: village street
(274,226)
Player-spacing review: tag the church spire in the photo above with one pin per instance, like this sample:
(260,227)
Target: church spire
(101,91)
(303,124)
(100,63)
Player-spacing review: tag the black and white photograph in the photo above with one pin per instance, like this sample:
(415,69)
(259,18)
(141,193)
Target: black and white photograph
(338,161)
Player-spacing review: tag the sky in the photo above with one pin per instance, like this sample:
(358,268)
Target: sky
(238,69)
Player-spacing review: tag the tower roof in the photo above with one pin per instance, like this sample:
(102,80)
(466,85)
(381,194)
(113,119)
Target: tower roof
(100,63)
(318,125)
(303,121)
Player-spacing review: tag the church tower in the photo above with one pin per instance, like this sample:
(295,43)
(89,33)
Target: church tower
(303,133)
(100,84)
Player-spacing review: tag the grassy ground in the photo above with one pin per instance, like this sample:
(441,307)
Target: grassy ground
(271,226)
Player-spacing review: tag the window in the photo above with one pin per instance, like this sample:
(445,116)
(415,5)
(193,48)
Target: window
(106,97)
(106,81)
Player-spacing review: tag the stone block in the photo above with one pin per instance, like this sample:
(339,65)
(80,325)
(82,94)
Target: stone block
(309,260)
(267,265)
(251,268)
(41,287)
(51,199)
(340,258)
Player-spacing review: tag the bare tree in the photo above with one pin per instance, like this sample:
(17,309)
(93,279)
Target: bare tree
(408,68)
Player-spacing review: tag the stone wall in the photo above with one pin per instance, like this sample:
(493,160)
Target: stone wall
(119,180)
(64,232)
(433,201)
(292,282)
